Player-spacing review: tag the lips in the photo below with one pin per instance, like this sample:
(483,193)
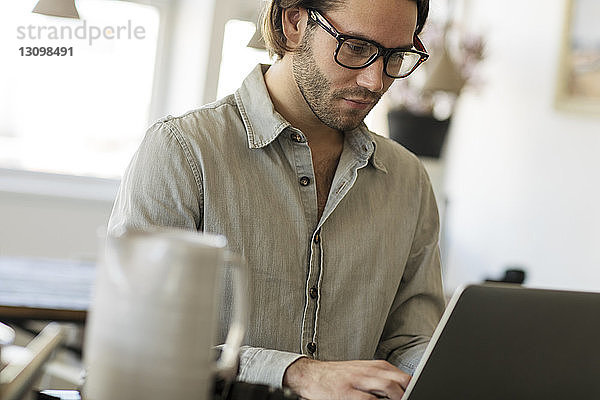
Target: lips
(359,103)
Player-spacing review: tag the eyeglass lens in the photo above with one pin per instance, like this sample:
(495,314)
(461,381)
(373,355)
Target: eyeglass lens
(357,53)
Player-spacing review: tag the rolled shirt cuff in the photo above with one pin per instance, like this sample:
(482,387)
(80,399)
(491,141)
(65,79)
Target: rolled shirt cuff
(265,366)
(409,359)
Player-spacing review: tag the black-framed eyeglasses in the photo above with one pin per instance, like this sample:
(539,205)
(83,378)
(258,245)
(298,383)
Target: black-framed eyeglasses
(355,53)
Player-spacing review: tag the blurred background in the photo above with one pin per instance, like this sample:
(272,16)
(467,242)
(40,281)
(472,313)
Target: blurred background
(515,86)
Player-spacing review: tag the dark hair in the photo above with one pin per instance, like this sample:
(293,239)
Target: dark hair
(272,30)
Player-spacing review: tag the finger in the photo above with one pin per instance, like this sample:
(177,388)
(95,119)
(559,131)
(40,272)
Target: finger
(399,376)
(378,386)
(360,395)
(392,372)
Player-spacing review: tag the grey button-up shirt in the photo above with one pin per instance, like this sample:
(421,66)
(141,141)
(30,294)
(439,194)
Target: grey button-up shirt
(361,282)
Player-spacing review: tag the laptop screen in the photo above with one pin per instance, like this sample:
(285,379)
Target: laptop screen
(509,342)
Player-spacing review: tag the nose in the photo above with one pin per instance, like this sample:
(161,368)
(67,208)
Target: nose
(371,77)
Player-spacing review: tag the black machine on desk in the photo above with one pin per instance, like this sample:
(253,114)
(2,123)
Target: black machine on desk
(498,342)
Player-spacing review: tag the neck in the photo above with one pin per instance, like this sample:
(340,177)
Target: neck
(289,102)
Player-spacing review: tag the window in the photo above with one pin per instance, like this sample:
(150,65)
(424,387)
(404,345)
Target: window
(85,112)
(237,59)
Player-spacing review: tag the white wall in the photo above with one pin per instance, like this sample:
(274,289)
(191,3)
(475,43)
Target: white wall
(52,216)
(188,61)
(521,177)
(50,227)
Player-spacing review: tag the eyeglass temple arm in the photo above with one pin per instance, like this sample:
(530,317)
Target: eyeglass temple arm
(418,44)
(321,21)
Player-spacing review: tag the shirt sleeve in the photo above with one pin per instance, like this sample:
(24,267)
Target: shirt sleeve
(265,366)
(162,187)
(419,302)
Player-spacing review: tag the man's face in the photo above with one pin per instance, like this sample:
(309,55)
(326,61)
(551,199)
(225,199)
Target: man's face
(339,97)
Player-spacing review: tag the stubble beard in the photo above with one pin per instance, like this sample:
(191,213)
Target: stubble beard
(316,90)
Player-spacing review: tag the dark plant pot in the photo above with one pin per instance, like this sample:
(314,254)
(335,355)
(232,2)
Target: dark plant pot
(422,134)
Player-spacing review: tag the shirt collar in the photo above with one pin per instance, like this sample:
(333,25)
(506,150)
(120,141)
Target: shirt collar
(362,142)
(263,124)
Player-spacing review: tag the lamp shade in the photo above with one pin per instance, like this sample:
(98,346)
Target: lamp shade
(444,75)
(57,8)
(256,41)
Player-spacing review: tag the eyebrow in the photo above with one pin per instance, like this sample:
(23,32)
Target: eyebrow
(358,35)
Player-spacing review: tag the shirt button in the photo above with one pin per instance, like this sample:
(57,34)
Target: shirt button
(304,181)
(313,292)
(311,347)
(317,238)
(296,137)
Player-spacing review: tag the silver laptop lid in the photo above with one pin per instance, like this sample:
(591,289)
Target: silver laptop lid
(508,342)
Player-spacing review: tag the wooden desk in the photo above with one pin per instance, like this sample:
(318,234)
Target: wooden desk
(45,289)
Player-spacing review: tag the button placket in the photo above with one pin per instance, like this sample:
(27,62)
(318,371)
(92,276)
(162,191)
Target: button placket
(317,239)
(312,296)
(300,153)
(313,292)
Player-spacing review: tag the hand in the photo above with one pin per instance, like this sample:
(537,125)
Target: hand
(347,380)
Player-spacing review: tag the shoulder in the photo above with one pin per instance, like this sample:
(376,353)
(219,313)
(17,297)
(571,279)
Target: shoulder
(210,115)
(406,173)
(213,123)
(395,158)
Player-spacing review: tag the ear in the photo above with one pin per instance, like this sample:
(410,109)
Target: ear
(293,22)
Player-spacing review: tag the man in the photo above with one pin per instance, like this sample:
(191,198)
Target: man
(338,225)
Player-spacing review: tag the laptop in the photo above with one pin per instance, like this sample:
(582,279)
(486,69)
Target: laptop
(509,342)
